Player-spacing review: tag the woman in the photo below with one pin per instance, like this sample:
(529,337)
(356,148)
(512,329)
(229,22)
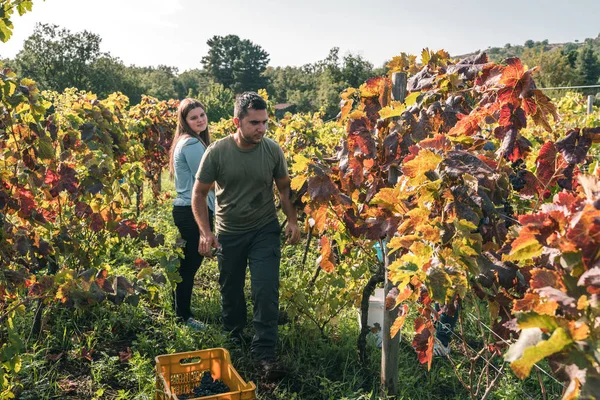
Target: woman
(189,144)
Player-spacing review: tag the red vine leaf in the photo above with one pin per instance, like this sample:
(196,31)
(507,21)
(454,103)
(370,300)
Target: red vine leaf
(424,340)
(541,278)
(321,189)
(574,147)
(543,109)
(546,165)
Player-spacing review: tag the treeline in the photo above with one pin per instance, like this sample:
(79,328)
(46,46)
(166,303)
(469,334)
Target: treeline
(57,58)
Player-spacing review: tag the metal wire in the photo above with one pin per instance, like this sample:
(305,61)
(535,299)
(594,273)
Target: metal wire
(500,337)
(486,360)
(570,87)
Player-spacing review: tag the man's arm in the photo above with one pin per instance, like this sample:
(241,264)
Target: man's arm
(291,230)
(200,210)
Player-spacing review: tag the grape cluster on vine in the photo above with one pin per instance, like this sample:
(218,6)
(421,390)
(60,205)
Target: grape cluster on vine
(517,180)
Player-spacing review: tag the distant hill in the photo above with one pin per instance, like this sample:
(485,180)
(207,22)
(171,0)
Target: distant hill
(558,64)
(497,54)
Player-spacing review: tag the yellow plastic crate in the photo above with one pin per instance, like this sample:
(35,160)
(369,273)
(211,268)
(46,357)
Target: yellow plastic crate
(180,373)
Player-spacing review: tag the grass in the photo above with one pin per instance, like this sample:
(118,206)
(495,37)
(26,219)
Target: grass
(107,351)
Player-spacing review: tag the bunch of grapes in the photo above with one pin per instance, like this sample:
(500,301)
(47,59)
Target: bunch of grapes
(517,180)
(208,387)
(508,212)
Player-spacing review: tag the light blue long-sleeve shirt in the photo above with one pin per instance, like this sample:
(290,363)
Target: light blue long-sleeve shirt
(186,159)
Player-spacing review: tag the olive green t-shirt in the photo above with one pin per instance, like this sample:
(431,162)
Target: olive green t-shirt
(243,183)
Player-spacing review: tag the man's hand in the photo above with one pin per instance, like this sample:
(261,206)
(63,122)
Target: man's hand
(292,232)
(207,243)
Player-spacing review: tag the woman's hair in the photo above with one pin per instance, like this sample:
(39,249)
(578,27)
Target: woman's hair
(185,106)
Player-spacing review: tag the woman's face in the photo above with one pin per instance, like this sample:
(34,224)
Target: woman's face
(197,120)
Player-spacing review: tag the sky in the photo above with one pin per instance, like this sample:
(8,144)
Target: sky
(294,33)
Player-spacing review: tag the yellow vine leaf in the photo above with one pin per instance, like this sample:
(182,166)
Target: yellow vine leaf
(425,56)
(357,114)
(387,197)
(346,108)
(424,162)
(583,302)
(297,182)
(399,322)
(263,93)
(411,98)
(558,341)
(547,323)
(346,94)
(430,232)
(525,247)
(300,164)
(393,110)
(579,330)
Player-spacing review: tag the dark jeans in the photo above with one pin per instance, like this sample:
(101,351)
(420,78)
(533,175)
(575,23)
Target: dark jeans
(445,326)
(260,249)
(189,264)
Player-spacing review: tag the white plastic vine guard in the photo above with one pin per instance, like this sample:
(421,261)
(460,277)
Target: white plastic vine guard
(375,317)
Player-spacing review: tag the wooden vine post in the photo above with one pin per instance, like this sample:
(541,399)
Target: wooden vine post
(391,346)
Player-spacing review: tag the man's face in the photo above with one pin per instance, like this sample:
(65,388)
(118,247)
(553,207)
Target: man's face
(253,125)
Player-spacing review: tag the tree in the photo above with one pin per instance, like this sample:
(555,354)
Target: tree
(318,86)
(159,82)
(58,59)
(356,70)
(555,67)
(235,63)
(218,101)
(296,85)
(192,81)
(109,74)
(588,66)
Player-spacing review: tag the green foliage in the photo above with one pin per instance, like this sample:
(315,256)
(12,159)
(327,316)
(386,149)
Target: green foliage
(218,100)
(108,75)
(193,81)
(588,66)
(7,8)
(318,86)
(555,68)
(57,58)
(236,63)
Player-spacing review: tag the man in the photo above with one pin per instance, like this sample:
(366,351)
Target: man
(243,167)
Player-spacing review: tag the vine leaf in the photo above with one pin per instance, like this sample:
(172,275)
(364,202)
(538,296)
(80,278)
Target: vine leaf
(557,342)
(546,165)
(399,322)
(574,147)
(423,340)
(327,258)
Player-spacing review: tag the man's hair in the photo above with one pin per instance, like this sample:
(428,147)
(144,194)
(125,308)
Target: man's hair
(248,100)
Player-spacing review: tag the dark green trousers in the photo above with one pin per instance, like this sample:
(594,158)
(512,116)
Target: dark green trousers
(260,250)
